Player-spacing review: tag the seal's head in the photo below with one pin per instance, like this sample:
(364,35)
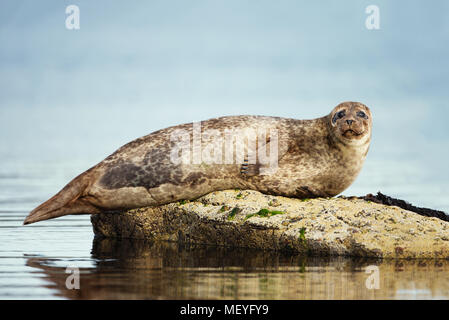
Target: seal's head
(350,123)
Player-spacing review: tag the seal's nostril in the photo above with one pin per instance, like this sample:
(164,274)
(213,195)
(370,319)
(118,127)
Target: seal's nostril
(349,121)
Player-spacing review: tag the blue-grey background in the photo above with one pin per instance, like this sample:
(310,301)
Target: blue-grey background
(69,98)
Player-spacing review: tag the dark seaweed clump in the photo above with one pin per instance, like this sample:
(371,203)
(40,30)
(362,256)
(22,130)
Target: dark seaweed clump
(389,201)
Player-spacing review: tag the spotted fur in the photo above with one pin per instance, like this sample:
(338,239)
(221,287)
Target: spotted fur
(317,158)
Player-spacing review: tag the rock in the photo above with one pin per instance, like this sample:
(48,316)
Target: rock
(331,226)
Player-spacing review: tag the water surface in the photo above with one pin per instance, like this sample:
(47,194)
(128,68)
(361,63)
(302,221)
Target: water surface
(34,258)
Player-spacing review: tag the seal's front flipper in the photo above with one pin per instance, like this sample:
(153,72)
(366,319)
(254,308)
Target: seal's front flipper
(263,158)
(249,170)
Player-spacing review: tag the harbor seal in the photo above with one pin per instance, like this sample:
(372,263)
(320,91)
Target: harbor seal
(312,158)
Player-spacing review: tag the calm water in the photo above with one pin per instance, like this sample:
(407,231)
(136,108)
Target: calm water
(33,259)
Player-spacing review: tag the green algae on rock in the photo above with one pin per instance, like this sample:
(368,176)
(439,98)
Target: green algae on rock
(332,226)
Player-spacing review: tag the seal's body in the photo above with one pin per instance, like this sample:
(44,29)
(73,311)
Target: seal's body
(314,158)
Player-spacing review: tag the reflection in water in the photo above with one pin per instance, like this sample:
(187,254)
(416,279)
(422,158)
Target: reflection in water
(130,269)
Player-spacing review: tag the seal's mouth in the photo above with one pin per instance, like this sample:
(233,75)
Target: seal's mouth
(350,133)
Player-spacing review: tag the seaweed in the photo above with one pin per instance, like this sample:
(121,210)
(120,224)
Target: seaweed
(265,213)
(232,214)
(389,201)
(302,235)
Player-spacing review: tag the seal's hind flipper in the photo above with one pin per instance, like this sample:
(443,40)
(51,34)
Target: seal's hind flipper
(67,201)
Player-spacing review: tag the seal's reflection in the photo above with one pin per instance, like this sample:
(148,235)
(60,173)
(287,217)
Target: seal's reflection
(132,269)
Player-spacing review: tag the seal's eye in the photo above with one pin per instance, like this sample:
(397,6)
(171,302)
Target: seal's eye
(362,114)
(338,115)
